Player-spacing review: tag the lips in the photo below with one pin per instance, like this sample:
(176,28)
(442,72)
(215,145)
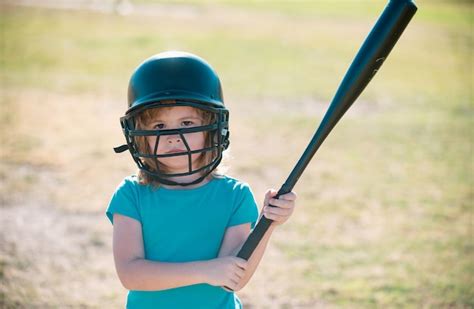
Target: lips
(175,151)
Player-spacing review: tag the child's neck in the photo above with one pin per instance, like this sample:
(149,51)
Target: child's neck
(187,179)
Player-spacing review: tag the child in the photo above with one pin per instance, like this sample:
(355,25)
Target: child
(179,223)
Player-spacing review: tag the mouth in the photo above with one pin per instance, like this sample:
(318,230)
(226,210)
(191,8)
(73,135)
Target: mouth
(175,151)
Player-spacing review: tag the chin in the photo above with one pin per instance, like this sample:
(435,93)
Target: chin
(178,167)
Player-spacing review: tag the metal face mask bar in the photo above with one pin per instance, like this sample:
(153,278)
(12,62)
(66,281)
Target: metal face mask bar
(219,137)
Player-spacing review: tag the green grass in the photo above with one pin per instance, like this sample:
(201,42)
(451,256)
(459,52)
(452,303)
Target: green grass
(282,62)
(384,214)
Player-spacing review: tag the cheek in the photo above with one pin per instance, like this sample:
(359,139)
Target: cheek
(151,142)
(196,140)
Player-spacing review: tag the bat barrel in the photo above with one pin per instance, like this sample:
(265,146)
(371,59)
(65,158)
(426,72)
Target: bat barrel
(365,65)
(375,49)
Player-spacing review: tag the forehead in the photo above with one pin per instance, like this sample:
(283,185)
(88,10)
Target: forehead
(175,112)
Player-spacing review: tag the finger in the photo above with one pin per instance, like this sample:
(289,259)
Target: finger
(291,196)
(268,195)
(272,217)
(281,203)
(233,283)
(278,211)
(227,289)
(241,263)
(240,273)
(276,218)
(266,198)
(230,286)
(277,214)
(236,278)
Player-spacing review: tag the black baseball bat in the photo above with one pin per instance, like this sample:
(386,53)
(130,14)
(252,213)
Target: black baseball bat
(375,49)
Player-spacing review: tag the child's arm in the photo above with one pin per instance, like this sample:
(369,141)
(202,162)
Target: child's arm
(236,236)
(137,273)
(234,239)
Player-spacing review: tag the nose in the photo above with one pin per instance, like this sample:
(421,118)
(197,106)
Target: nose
(173,139)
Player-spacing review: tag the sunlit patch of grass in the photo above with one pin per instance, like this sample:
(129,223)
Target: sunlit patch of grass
(390,272)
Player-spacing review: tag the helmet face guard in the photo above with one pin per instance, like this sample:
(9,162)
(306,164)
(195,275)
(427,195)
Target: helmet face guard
(183,79)
(148,161)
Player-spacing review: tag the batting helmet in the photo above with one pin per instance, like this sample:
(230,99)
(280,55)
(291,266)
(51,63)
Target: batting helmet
(183,79)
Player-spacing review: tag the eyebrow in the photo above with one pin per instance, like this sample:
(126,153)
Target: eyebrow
(182,118)
(190,117)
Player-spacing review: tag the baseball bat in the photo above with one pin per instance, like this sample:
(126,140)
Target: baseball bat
(375,49)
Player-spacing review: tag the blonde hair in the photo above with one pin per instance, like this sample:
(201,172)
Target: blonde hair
(144,119)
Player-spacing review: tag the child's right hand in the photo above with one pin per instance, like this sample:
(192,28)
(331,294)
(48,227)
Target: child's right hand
(225,271)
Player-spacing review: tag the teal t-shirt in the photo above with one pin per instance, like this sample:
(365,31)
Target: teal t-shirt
(184,225)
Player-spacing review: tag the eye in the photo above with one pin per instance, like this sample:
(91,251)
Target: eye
(187,123)
(159,126)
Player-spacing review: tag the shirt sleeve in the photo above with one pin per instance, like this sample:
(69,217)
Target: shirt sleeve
(245,210)
(124,201)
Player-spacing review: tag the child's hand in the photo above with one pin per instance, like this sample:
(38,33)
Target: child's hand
(225,271)
(283,209)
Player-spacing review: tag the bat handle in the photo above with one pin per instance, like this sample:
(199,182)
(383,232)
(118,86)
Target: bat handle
(260,229)
(253,240)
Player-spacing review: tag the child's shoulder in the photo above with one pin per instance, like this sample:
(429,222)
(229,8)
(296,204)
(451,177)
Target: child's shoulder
(128,183)
(233,183)
(131,180)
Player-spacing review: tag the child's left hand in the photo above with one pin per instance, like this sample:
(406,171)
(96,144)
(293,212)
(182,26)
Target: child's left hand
(283,209)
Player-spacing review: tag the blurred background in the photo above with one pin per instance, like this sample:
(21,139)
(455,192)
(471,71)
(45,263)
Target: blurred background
(385,209)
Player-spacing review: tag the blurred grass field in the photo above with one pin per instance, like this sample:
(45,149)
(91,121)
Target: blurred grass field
(385,210)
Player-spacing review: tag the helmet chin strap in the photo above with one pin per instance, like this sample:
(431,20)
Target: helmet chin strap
(120,149)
